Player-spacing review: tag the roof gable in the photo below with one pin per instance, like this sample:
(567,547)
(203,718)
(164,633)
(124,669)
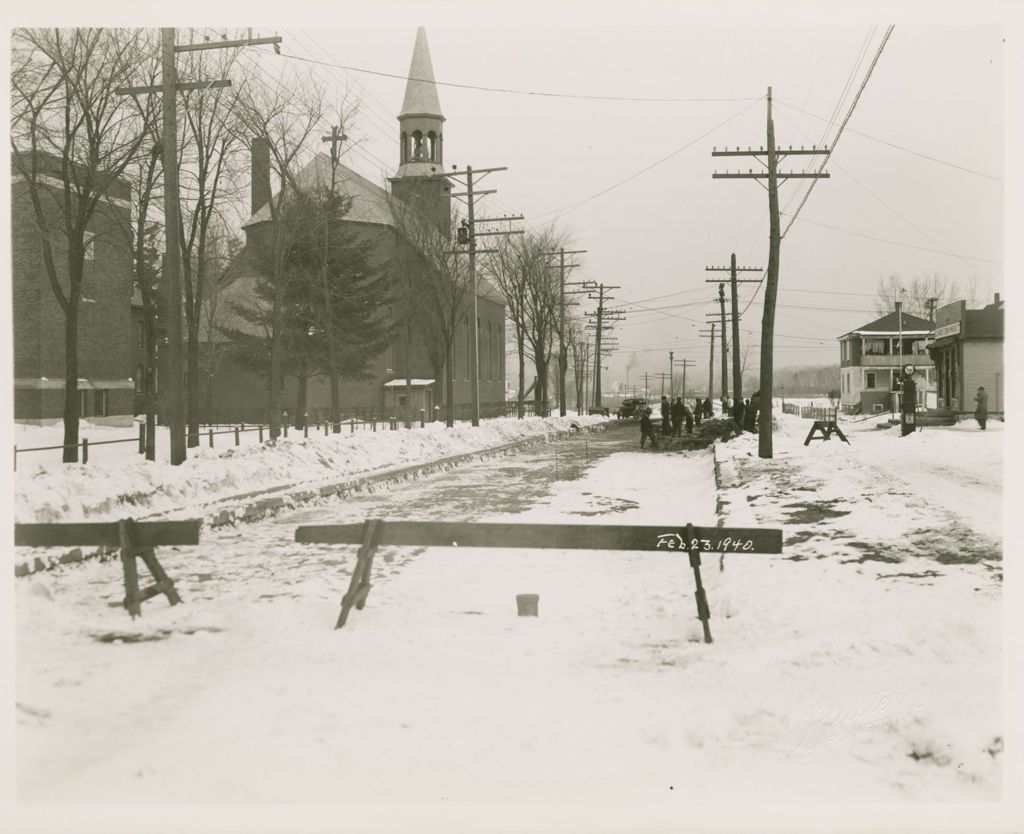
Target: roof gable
(369,201)
(890,323)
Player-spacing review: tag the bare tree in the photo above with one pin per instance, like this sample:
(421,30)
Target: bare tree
(210,154)
(437,279)
(72,138)
(916,294)
(286,117)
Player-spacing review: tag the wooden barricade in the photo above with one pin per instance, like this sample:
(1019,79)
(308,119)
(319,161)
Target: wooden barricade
(136,539)
(685,539)
(826,428)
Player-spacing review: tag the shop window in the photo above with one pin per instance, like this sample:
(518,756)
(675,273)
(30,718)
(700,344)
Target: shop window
(100,403)
(869,379)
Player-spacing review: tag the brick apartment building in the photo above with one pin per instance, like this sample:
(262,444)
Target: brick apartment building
(105,381)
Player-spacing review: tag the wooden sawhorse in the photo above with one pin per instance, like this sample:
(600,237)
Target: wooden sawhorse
(688,539)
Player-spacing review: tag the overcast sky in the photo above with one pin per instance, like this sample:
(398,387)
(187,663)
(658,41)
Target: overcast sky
(936,91)
(631,180)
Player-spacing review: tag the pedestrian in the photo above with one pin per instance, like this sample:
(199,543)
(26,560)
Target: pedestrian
(677,417)
(698,410)
(750,412)
(647,429)
(737,412)
(666,416)
(689,418)
(981,410)
(709,412)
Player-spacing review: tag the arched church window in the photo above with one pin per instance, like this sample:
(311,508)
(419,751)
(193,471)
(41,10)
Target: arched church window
(405,146)
(432,146)
(417,146)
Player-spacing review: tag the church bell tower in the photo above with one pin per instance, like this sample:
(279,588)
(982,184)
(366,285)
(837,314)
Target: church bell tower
(421,141)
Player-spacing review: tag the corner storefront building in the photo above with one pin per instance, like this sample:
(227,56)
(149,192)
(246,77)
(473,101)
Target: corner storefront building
(967,348)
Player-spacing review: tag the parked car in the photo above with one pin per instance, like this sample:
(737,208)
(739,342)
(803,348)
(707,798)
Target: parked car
(632,407)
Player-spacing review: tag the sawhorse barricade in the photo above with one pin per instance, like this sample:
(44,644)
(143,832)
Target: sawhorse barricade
(826,428)
(685,539)
(136,539)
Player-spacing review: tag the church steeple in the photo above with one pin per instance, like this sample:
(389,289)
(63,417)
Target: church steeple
(420,120)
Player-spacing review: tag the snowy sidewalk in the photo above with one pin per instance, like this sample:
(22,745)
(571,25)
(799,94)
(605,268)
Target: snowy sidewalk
(858,666)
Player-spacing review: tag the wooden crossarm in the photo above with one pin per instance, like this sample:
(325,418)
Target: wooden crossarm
(145,533)
(551,536)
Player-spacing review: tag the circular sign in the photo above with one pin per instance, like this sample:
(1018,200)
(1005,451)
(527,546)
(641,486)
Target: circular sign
(909,370)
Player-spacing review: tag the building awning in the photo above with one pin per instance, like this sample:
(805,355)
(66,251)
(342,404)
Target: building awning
(893,333)
(415,383)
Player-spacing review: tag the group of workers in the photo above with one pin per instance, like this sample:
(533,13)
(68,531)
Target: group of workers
(675,414)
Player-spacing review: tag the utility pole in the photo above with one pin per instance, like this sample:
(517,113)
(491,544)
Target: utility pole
(471,194)
(602,319)
(769,157)
(685,363)
(899,372)
(725,355)
(711,361)
(336,137)
(562,360)
(671,381)
(737,371)
(168,89)
(930,304)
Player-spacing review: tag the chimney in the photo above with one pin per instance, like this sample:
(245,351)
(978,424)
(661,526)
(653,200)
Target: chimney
(260,183)
(997,300)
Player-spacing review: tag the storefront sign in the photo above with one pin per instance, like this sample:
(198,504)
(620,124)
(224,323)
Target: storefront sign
(947,330)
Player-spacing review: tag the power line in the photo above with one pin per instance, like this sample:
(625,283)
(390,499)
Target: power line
(895,242)
(510,90)
(898,147)
(560,212)
(839,133)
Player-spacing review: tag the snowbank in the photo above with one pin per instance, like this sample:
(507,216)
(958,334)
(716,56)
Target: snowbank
(54,491)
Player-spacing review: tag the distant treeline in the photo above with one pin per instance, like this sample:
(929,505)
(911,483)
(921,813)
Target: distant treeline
(799,382)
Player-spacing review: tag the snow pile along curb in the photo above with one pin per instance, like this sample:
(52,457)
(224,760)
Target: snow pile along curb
(299,471)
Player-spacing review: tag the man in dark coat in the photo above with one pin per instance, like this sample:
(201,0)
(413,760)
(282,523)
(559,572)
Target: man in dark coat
(698,410)
(750,412)
(677,417)
(666,416)
(737,412)
(687,415)
(647,429)
(709,412)
(981,410)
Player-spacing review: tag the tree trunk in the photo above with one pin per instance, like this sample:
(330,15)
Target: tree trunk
(301,400)
(151,383)
(450,379)
(71,410)
(192,388)
(521,350)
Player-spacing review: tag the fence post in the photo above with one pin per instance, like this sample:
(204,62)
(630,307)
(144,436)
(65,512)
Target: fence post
(237,441)
(261,433)
(352,426)
(284,422)
(211,438)
(85,450)
(327,428)
(142,438)
(305,425)
(423,417)
(15,457)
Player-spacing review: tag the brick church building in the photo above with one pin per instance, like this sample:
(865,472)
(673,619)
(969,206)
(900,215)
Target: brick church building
(239,394)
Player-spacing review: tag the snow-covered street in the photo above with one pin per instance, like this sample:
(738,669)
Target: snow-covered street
(865,660)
